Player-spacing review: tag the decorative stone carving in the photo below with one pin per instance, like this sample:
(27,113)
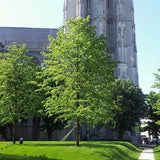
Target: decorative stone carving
(115,19)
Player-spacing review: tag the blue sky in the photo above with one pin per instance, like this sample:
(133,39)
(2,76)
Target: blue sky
(147,22)
(49,14)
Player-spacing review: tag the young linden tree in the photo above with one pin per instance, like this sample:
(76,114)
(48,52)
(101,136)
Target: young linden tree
(81,68)
(17,96)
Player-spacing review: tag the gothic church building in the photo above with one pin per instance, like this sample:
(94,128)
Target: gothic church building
(114,19)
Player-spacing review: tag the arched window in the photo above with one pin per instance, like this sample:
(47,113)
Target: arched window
(108,4)
(88,7)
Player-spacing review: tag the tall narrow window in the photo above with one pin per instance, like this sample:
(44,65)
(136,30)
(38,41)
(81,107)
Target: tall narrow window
(108,4)
(88,7)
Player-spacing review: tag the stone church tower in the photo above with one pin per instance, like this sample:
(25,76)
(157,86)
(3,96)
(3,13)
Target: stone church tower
(114,19)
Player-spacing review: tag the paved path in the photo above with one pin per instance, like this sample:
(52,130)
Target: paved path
(147,154)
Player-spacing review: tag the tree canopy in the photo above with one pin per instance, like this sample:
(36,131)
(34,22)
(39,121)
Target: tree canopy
(17,96)
(49,125)
(131,106)
(157,85)
(151,126)
(82,70)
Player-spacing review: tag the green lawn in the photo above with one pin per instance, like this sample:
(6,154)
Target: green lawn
(67,151)
(157,153)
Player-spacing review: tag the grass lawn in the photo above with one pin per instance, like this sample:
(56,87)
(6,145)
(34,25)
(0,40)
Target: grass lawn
(46,150)
(157,153)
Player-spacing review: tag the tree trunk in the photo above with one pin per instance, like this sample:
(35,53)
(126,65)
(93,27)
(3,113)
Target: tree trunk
(49,134)
(120,135)
(157,138)
(77,132)
(4,134)
(14,133)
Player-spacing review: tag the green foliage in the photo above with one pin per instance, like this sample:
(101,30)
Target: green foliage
(152,125)
(157,80)
(17,85)
(157,85)
(157,152)
(131,105)
(79,65)
(48,124)
(67,151)
(82,70)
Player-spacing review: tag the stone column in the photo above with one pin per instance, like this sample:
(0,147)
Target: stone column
(69,10)
(126,45)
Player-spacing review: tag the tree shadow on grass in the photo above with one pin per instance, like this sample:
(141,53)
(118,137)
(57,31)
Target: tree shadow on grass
(17,157)
(115,151)
(100,144)
(61,144)
(51,145)
(103,144)
(118,154)
(115,157)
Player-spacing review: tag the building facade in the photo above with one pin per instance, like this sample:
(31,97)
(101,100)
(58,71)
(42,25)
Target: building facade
(36,39)
(114,19)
